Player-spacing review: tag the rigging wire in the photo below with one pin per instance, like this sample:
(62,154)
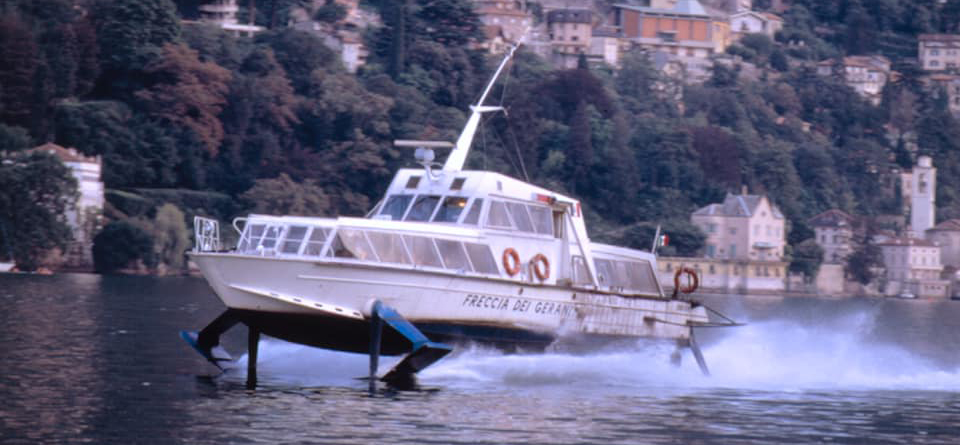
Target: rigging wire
(513,136)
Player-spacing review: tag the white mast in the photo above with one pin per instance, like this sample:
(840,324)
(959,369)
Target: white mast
(459,154)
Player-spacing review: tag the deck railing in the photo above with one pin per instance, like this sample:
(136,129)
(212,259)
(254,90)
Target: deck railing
(206,232)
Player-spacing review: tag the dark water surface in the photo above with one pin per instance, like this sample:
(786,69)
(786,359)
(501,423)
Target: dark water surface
(91,359)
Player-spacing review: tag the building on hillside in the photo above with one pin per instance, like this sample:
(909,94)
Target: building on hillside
(494,41)
(224,14)
(751,22)
(570,31)
(919,188)
(867,75)
(948,83)
(85,217)
(947,236)
(686,29)
(743,227)
(913,268)
(344,37)
(938,52)
(507,19)
(833,232)
(605,46)
(729,6)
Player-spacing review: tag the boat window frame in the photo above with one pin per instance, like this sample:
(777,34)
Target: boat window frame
(324,243)
(300,242)
(486,255)
(390,198)
(418,198)
(379,253)
(490,212)
(475,203)
(433,248)
(463,251)
(442,205)
(513,208)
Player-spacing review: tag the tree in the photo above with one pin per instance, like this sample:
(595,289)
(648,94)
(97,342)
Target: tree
(122,245)
(865,260)
(636,82)
(170,236)
(184,91)
(13,138)
(719,154)
(449,22)
(19,57)
(807,257)
(300,53)
(283,196)
(330,12)
(861,29)
(36,191)
(580,150)
(132,33)
(779,61)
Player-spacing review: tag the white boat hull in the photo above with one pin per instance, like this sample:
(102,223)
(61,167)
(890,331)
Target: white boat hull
(443,304)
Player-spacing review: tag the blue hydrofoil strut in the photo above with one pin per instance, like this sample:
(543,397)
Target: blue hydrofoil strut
(423,353)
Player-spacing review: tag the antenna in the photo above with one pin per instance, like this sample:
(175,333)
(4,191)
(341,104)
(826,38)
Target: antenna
(459,154)
(424,152)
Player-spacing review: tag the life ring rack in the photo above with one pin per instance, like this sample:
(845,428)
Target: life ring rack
(537,261)
(692,282)
(511,261)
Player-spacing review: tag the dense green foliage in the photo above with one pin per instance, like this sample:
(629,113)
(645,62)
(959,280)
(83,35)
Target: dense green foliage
(36,190)
(122,245)
(276,123)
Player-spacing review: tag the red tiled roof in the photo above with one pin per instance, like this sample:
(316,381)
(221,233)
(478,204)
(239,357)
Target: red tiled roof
(63,154)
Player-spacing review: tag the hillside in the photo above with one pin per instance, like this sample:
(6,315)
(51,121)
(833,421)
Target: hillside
(224,124)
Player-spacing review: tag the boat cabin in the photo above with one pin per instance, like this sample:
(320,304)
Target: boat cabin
(465,222)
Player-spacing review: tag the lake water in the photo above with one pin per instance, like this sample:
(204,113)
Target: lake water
(97,359)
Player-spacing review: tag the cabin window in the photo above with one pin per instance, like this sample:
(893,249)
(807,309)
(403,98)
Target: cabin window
(295,236)
(497,216)
(453,255)
(413,182)
(482,258)
(422,208)
(315,244)
(250,240)
(396,206)
(389,247)
(580,273)
(458,184)
(642,277)
(622,277)
(542,219)
(473,216)
(520,216)
(351,243)
(270,237)
(605,272)
(423,251)
(450,209)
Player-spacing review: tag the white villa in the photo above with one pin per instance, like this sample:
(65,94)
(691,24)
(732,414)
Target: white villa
(744,248)
(913,267)
(743,227)
(84,219)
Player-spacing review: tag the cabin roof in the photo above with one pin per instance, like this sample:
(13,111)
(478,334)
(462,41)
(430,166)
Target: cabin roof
(474,183)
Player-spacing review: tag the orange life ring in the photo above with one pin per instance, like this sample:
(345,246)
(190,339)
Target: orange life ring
(538,260)
(693,282)
(511,261)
